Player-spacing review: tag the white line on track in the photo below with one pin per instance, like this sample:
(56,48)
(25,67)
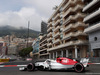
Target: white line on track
(1,65)
(96,63)
(21,65)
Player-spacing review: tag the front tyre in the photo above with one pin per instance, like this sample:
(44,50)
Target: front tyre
(79,67)
(31,67)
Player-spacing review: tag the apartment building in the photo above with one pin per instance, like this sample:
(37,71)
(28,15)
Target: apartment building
(43,27)
(43,48)
(65,29)
(92,9)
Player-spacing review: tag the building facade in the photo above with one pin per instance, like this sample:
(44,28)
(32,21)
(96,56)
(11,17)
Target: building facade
(35,51)
(43,27)
(92,9)
(43,48)
(65,29)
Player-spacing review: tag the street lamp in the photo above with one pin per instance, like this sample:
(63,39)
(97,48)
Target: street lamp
(28,33)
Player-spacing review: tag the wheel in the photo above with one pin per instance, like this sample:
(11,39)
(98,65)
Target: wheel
(31,67)
(79,67)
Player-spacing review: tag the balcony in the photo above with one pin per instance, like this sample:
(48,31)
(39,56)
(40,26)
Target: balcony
(71,3)
(49,29)
(74,17)
(56,41)
(92,15)
(57,16)
(81,42)
(68,27)
(58,27)
(57,22)
(43,45)
(57,34)
(71,43)
(74,34)
(43,41)
(49,39)
(90,5)
(50,34)
(44,54)
(68,35)
(79,15)
(49,24)
(49,44)
(43,50)
(81,24)
(68,19)
(93,28)
(73,9)
(78,24)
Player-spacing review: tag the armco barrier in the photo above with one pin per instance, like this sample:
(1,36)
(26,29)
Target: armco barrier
(95,59)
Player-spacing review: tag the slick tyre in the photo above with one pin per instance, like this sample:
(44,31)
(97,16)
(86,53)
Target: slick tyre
(31,67)
(79,67)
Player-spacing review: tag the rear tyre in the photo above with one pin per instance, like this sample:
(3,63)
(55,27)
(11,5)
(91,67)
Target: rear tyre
(79,67)
(30,67)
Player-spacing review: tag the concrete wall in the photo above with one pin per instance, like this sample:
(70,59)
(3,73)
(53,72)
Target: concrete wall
(94,44)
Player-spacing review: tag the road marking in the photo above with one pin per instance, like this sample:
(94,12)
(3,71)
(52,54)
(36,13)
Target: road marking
(93,73)
(1,65)
(13,65)
(21,65)
(10,65)
(94,63)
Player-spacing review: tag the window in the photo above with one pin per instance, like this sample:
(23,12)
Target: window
(95,38)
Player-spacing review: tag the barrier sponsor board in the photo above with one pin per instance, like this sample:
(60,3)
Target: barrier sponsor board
(4,60)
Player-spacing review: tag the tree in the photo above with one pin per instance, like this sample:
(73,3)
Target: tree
(24,52)
(54,8)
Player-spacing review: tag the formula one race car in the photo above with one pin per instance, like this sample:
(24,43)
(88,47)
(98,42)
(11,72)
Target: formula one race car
(60,63)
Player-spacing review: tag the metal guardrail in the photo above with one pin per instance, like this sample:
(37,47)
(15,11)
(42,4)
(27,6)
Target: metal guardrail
(95,59)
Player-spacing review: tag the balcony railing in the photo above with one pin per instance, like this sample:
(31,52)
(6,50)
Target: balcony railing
(43,41)
(68,27)
(49,39)
(49,29)
(57,16)
(70,2)
(50,34)
(57,34)
(73,9)
(74,26)
(44,54)
(58,27)
(74,17)
(70,43)
(43,50)
(49,44)
(56,41)
(67,4)
(74,34)
(49,24)
(93,2)
(58,21)
(93,28)
(97,12)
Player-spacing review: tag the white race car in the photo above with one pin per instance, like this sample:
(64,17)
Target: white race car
(60,63)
